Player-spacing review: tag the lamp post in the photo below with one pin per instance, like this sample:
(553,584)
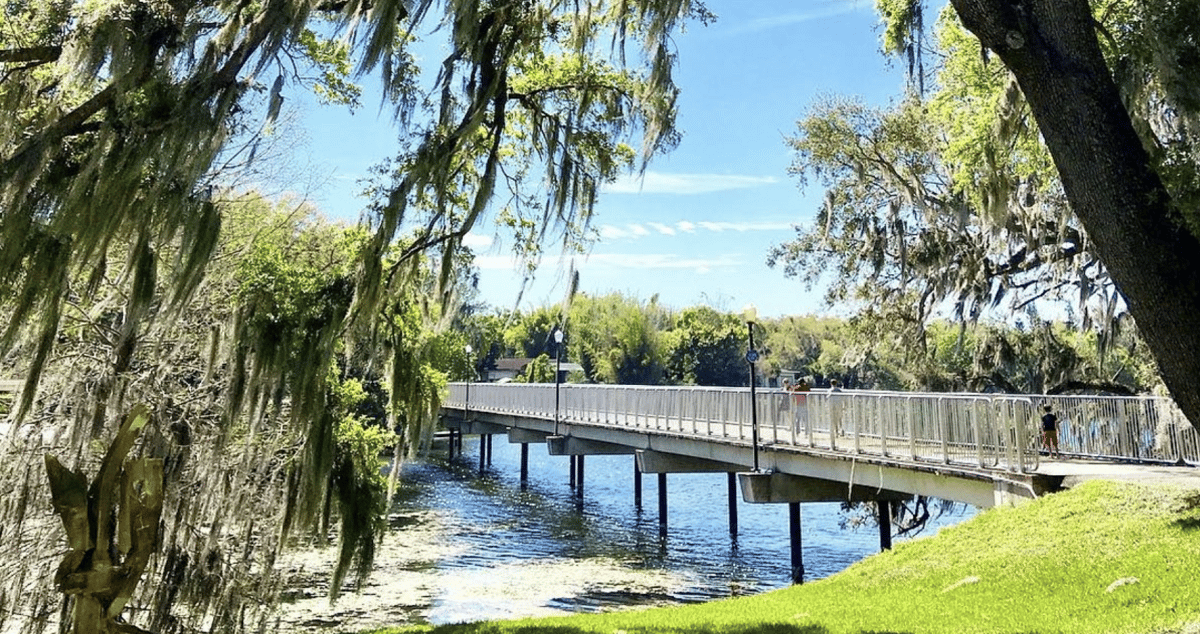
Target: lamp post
(470,371)
(467,407)
(750,314)
(558,340)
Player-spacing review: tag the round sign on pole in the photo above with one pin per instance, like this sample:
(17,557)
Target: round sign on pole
(752,356)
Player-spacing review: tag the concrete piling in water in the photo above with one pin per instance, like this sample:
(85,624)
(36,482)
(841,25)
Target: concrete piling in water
(482,454)
(524,465)
(637,485)
(579,476)
(579,461)
(662,504)
(733,497)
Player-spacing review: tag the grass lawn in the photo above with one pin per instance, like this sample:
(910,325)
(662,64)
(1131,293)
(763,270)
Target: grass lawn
(1105,557)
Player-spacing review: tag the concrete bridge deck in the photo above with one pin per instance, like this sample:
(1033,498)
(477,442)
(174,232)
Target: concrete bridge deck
(823,446)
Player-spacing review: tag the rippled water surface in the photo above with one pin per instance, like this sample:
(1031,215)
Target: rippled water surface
(467,547)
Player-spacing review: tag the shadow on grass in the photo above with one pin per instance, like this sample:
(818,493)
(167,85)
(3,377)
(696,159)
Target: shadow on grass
(764,628)
(1189,512)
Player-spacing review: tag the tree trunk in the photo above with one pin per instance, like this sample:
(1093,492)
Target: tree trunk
(1052,49)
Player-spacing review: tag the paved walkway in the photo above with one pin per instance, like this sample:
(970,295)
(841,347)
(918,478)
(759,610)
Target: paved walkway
(1075,471)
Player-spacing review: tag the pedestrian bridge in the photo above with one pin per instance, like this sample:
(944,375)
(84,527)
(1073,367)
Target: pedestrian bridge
(980,449)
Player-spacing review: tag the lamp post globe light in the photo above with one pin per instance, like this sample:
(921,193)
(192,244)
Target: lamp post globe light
(467,407)
(558,340)
(750,315)
(470,371)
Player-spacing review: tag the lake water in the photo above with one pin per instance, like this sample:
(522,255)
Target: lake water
(467,547)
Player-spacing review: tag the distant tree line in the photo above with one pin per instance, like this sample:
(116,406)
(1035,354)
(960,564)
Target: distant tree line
(619,339)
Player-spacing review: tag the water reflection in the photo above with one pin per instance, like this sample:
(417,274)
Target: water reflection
(466,546)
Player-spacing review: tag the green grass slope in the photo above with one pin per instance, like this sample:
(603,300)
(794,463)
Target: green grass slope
(1106,557)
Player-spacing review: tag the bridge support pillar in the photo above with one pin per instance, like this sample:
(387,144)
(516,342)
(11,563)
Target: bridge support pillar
(662,504)
(732,488)
(651,461)
(450,443)
(797,542)
(572,446)
(572,473)
(579,476)
(773,488)
(524,465)
(885,524)
(525,436)
(637,485)
(482,427)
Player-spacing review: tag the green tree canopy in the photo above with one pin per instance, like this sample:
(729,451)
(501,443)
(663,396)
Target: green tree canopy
(123,115)
(1115,145)
(707,347)
(618,339)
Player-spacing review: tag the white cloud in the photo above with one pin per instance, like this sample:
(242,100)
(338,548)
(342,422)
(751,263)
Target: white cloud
(651,261)
(618,261)
(685,184)
(827,9)
(742,227)
(496,262)
(478,241)
(633,231)
(611,232)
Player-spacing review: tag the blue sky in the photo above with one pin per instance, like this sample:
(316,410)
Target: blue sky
(696,229)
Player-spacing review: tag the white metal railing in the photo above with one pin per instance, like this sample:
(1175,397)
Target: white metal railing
(986,430)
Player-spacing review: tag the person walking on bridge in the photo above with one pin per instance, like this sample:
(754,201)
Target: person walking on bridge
(800,401)
(835,408)
(1050,432)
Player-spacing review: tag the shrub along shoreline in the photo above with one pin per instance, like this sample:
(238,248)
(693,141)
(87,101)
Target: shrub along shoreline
(1104,557)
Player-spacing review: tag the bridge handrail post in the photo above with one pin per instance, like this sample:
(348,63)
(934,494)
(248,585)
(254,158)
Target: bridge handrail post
(640,419)
(669,406)
(776,411)
(629,409)
(808,420)
(1001,423)
(661,409)
(674,404)
(1021,424)
(708,408)
(1012,439)
(635,412)
(689,409)
(886,412)
(975,416)
(614,412)
(739,405)
(793,417)
(912,423)
(857,420)
(944,424)
(835,426)
(648,409)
